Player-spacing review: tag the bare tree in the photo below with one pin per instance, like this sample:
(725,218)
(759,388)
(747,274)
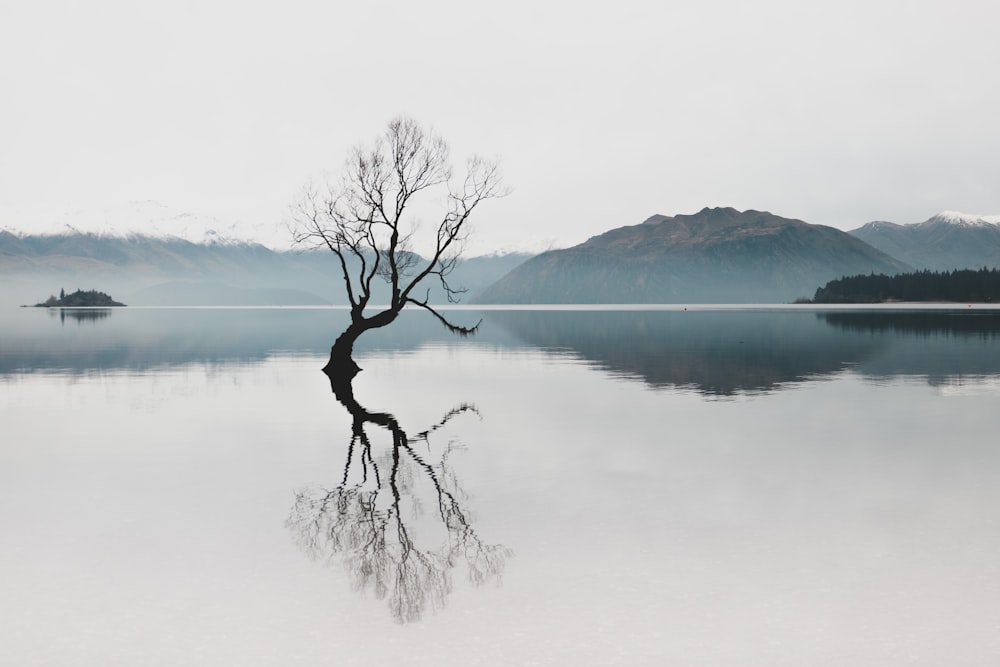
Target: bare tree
(364,219)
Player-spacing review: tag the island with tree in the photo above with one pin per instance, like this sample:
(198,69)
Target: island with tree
(968,285)
(79,299)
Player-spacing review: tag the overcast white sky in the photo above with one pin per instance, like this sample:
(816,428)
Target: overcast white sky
(602,113)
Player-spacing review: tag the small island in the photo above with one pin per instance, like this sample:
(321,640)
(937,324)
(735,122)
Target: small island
(80,299)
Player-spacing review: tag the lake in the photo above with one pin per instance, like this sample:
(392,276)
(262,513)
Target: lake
(653,486)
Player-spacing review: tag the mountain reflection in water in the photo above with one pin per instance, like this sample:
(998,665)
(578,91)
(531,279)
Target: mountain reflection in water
(715,352)
(375,522)
(726,352)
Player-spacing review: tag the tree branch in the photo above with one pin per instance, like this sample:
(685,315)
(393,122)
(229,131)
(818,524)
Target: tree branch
(454,328)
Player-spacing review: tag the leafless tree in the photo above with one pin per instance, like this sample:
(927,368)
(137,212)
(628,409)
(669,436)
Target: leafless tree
(365,220)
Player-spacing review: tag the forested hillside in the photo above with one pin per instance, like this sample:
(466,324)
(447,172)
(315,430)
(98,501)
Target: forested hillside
(963,285)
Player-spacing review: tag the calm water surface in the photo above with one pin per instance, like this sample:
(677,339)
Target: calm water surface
(625,487)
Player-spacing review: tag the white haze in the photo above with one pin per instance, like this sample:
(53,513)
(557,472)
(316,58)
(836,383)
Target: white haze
(834,113)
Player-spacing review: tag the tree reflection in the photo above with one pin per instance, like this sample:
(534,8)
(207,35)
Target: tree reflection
(375,520)
(84,314)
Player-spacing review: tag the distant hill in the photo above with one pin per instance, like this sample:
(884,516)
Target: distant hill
(157,257)
(717,255)
(171,271)
(944,242)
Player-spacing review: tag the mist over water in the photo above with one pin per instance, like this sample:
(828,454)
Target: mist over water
(754,486)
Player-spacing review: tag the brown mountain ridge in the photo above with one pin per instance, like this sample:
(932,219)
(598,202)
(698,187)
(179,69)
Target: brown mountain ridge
(717,255)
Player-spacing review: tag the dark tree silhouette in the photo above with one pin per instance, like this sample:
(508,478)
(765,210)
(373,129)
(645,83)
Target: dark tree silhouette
(970,285)
(364,219)
(90,315)
(367,521)
(80,299)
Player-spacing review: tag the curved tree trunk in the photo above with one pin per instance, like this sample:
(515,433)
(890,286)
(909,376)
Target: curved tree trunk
(341,363)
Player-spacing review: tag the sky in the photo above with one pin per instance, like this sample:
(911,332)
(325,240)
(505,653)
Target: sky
(601,114)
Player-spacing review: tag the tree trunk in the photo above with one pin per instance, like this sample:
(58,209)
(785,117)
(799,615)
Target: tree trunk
(341,363)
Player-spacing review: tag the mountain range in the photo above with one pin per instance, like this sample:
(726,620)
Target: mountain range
(718,255)
(712,256)
(144,270)
(945,242)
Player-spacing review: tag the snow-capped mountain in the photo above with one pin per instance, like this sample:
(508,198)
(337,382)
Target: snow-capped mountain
(946,241)
(502,246)
(159,221)
(963,219)
(146,254)
(151,219)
